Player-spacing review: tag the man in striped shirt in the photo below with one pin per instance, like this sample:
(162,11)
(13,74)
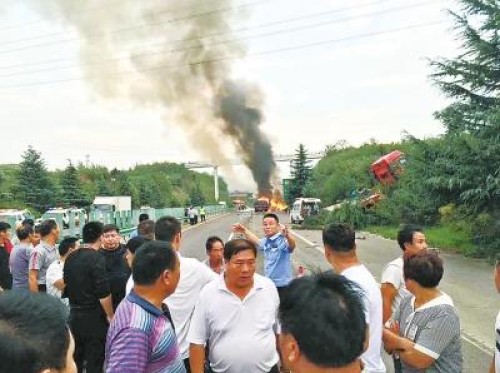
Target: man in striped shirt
(142,337)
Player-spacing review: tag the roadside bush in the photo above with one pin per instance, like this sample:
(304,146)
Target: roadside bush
(351,214)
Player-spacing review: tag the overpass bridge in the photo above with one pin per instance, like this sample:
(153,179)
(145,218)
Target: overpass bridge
(235,162)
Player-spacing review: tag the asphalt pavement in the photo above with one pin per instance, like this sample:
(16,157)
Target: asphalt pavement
(469,282)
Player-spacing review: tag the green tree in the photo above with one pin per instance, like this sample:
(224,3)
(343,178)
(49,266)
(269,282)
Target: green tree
(196,196)
(300,172)
(468,166)
(103,188)
(72,193)
(34,186)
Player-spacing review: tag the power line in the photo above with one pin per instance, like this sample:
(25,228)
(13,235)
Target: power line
(224,42)
(42,20)
(222,59)
(289,20)
(124,29)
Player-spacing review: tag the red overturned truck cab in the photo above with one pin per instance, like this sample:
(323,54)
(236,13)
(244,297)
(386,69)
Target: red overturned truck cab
(386,169)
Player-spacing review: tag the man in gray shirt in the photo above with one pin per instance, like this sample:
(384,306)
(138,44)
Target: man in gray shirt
(20,257)
(43,255)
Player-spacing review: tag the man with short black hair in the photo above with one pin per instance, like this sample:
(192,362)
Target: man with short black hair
(87,289)
(5,275)
(214,247)
(34,334)
(323,325)
(20,257)
(142,337)
(146,229)
(54,276)
(194,276)
(132,245)
(237,315)
(143,216)
(117,270)
(340,251)
(411,240)
(277,246)
(43,255)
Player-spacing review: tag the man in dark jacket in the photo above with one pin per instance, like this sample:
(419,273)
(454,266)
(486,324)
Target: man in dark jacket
(117,270)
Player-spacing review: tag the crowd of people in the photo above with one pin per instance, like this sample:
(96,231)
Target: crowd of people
(141,306)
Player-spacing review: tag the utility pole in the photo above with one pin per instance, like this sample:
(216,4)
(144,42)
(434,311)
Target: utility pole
(216,182)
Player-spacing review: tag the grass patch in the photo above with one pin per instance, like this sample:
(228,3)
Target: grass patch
(442,237)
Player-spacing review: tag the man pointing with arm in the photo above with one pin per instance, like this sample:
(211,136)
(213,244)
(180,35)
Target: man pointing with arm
(277,246)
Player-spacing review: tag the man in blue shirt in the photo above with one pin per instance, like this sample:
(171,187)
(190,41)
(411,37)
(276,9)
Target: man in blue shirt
(277,246)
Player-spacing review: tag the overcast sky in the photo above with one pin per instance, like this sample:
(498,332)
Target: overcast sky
(374,84)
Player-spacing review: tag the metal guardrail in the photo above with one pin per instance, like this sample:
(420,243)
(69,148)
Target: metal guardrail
(126,221)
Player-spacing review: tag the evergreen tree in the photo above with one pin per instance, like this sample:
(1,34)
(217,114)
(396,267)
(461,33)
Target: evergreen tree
(469,165)
(35,188)
(300,172)
(72,193)
(146,194)
(103,188)
(196,196)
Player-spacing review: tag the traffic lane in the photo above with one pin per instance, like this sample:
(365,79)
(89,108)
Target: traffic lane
(375,252)
(195,236)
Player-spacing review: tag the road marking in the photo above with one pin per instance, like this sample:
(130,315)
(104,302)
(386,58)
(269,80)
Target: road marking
(478,344)
(310,243)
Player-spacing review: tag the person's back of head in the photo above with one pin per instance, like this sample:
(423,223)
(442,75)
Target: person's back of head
(143,216)
(146,229)
(92,232)
(166,228)
(24,232)
(28,221)
(405,234)
(339,237)
(47,226)
(155,259)
(323,323)
(134,243)
(34,335)
(66,245)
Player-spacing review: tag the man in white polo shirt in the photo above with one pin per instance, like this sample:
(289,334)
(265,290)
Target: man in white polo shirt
(237,315)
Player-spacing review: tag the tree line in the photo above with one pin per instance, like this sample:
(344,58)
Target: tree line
(31,185)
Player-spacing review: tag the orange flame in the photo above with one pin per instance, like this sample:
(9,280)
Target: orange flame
(277,202)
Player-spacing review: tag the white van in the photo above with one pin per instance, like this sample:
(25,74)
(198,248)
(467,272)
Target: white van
(303,207)
(16,216)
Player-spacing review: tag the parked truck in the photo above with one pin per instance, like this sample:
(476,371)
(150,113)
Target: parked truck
(107,204)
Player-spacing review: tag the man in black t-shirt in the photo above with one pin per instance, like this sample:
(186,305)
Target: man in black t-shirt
(91,309)
(117,270)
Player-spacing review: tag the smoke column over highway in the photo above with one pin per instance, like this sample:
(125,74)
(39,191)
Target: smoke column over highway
(175,56)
